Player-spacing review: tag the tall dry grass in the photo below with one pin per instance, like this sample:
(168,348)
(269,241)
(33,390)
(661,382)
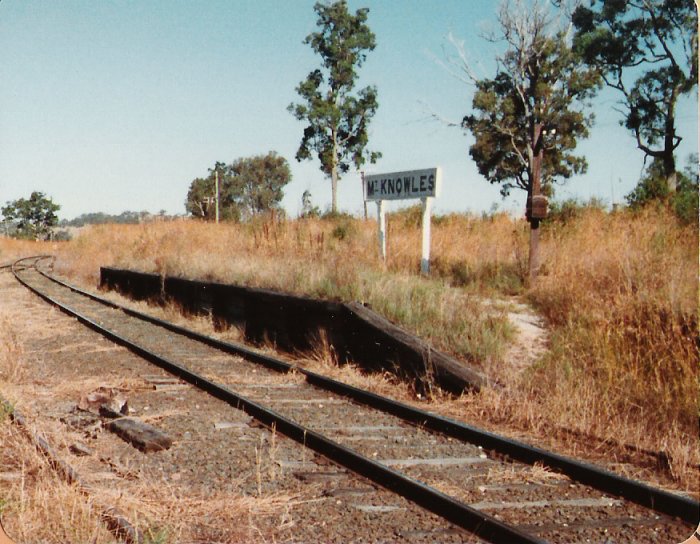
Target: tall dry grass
(327,259)
(36,505)
(12,249)
(621,295)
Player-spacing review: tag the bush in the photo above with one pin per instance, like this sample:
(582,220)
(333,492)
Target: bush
(411,216)
(344,230)
(572,208)
(62,236)
(652,189)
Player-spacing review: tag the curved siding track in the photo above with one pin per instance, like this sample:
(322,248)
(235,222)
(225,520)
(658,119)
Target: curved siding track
(384,470)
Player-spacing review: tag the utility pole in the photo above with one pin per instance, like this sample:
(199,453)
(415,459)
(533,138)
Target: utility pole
(217,195)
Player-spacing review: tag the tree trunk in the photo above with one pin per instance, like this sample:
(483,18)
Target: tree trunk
(670,145)
(669,162)
(334,175)
(334,189)
(534,257)
(671,182)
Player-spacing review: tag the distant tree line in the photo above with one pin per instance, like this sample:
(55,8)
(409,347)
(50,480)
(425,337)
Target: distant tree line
(100,218)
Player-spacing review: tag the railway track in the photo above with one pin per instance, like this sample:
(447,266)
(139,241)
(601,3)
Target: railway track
(477,486)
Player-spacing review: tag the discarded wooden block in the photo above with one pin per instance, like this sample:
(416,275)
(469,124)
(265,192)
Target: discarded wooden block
(80,449)
(170,386)
(141,435)
(106,411)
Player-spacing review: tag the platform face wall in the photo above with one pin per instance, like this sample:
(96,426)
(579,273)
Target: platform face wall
(295,323)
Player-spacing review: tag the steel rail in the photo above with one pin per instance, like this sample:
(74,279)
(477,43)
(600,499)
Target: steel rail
(685,508)
(480,524)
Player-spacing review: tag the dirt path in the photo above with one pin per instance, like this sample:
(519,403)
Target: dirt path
(532,338)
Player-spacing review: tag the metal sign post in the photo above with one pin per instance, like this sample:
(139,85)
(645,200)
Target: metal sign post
(423,184)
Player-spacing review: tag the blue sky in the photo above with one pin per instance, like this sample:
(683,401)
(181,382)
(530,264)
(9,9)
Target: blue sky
(117,105)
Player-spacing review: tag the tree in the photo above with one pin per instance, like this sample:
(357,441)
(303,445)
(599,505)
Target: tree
(261,179)
(33,218)
(648,51)
(536,103)
(247,187)
(337,121)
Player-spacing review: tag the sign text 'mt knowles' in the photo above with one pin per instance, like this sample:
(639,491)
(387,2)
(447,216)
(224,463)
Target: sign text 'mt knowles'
(400,185)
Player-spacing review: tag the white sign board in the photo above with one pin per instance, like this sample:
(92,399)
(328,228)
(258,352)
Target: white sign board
(401,185)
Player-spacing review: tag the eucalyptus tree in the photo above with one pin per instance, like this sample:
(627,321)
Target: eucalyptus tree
(526,121)
(337,120)
(648,51)
(261,180)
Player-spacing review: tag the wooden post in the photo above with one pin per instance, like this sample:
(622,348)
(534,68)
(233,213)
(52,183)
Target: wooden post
(534,257)
(364,191)
(425,231)
(534,264)
(381,224)
(217,196)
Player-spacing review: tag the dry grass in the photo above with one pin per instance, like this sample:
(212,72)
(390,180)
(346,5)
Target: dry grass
(168,513)
(38,506)
(35,504)
(618,292)
(621,295)
(11,249)
(12,368)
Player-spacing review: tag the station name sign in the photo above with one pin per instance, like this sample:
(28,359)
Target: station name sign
(401,185)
